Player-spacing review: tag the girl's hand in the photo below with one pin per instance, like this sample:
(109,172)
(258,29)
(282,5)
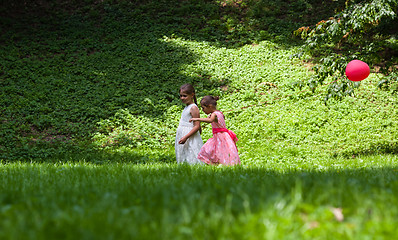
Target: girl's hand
(193,119)
(182,140)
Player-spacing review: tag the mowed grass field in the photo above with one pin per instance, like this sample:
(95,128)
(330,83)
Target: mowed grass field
(324,199)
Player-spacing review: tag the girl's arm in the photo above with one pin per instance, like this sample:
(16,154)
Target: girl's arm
(196,125)
(212,118)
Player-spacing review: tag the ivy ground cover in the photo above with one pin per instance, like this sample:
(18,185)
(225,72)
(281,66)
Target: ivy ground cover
(89,107)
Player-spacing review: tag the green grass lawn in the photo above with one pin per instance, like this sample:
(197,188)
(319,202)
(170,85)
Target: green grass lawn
(89,108)
(321,199)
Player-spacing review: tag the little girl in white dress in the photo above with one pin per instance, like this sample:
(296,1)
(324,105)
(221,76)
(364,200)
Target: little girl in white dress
(188,140)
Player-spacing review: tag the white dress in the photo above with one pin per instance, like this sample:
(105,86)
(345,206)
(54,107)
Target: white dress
(187,152)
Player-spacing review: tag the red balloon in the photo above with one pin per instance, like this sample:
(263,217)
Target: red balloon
(357,70)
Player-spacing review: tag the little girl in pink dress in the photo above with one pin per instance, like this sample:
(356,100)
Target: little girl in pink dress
(221,148)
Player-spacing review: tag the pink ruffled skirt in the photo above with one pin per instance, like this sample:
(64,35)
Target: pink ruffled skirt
(220,149)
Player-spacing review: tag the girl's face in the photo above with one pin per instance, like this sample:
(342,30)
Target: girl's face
(208,109)
(186,98)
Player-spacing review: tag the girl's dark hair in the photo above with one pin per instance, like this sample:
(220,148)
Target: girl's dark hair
(209,100)
(188,88)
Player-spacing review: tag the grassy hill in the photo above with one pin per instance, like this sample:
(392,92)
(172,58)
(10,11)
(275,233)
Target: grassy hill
(102,78)
(89,108)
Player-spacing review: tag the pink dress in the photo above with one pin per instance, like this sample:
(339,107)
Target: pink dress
(221,148)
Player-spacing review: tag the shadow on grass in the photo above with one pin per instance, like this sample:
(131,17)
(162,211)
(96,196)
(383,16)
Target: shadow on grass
(241,187)
(67,65)
(127,201)
(223,23)
(59,78)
